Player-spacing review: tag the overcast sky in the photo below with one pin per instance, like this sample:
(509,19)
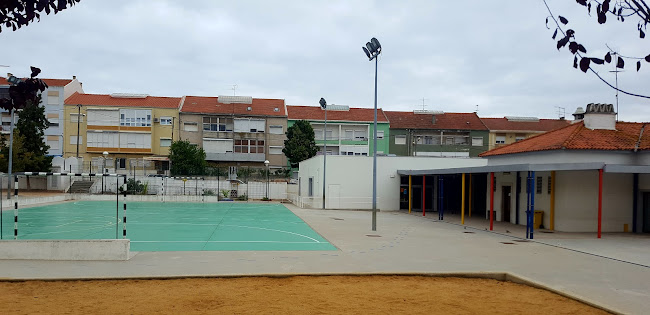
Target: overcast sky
(455,55)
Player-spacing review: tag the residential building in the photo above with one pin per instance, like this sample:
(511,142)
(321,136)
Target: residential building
(511,129)
(236,130)
(52,100)
(350,131)
(435,133)
(134,129)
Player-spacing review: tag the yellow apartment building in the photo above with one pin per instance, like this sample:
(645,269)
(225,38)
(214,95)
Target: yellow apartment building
(120,132)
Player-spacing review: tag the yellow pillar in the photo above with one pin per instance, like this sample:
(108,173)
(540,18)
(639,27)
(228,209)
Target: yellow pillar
(552,218)
(470,195)
(410,200)
(462,202)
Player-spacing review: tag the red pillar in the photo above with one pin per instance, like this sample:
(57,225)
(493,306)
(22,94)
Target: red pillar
(600,200)
(424,179)
(491,200)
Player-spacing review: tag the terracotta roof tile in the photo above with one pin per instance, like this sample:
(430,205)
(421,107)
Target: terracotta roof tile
(578,137)
(458,121)
(508,125)
(354,114)
(49,82)
(107,100)
(211,105)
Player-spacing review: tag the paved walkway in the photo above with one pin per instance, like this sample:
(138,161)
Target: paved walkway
(404,243)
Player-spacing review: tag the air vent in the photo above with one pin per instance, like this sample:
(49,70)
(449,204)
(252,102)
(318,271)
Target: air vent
(276,109)
(249,108)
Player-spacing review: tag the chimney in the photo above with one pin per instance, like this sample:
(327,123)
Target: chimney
(579,114)
(74,77)
(600,116)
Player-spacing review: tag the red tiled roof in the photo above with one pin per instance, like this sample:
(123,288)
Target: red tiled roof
(354,114)
(510,125)
(459,121)
(211,105)
(578,137)
(107,100)
(49,82)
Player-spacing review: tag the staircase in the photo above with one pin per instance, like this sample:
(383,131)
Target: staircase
(80,187)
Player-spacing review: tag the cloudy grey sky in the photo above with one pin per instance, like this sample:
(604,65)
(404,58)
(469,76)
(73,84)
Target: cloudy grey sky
(453,54)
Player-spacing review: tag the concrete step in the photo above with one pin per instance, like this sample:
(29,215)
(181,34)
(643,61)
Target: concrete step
(80,186)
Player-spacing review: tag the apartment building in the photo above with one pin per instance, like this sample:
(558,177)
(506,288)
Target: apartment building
(236,130)
(53,99)
(133,129)
(511,129)
(436,133)
(349,130)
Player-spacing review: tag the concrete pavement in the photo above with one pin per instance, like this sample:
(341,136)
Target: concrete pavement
(403,243)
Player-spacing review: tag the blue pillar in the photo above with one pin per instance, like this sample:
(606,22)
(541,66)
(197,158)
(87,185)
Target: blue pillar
(528,188)
(517,192)
(441,212)
(532,204)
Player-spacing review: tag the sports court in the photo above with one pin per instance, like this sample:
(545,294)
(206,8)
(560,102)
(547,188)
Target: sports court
(155,226)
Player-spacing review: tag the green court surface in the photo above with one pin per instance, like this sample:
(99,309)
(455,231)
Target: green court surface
(157,226)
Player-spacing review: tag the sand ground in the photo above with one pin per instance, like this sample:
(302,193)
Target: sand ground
(287,295)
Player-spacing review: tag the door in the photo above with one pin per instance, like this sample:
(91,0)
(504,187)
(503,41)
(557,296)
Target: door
(505,203)
(646,212)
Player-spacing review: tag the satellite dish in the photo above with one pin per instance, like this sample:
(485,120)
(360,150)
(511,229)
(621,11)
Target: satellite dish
(375,44)
(367,52)
(323,103)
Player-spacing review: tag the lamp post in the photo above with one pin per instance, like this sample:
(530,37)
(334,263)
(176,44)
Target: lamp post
(13,80)
(372,50)
(266,163)
(105,154)
(323,105)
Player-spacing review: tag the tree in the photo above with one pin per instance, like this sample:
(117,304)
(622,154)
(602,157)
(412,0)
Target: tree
(621,9)
(300,144)
(186,159)
(18,154)
(31,126)
(19,13)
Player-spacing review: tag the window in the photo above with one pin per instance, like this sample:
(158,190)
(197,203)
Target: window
(53,142)
(520,137)
(166,120)
(328,135)
(52,97)
(401,139)
(538,185)
(217,124)
(477,141)
(276,130)
(501,139)
(275,150)
(103,117)
(549,185)
(211,145)
(190,126)
(428,140)
(73,139)
(165,142)
(249,125)
(121,163)
(380,134)
(75,118)
(135,117)
(449,140)
(249,146)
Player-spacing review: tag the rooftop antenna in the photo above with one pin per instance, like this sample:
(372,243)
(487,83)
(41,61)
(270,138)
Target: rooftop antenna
(561,112)
(234,90)
(476,111)
(423,104)
(616,71)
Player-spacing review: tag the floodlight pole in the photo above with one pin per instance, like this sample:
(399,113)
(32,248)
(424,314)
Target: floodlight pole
(11,151)
(324,153)
(374,156)
(78,122)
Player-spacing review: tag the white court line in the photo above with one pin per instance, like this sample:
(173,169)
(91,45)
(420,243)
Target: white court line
(225,242)
(68,231)
(281,231)
(73,222)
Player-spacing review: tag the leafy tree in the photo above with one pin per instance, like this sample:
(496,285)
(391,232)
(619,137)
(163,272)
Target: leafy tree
(18,152)
(18,13)
(186,159)
(300,144)
(31,125)
(636,10)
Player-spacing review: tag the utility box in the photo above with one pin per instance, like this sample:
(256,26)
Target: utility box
(538,219)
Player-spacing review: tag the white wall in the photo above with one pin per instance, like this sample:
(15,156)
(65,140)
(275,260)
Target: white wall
(349,179)
(566,156)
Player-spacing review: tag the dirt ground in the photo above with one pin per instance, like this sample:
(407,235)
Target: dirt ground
(293,295)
